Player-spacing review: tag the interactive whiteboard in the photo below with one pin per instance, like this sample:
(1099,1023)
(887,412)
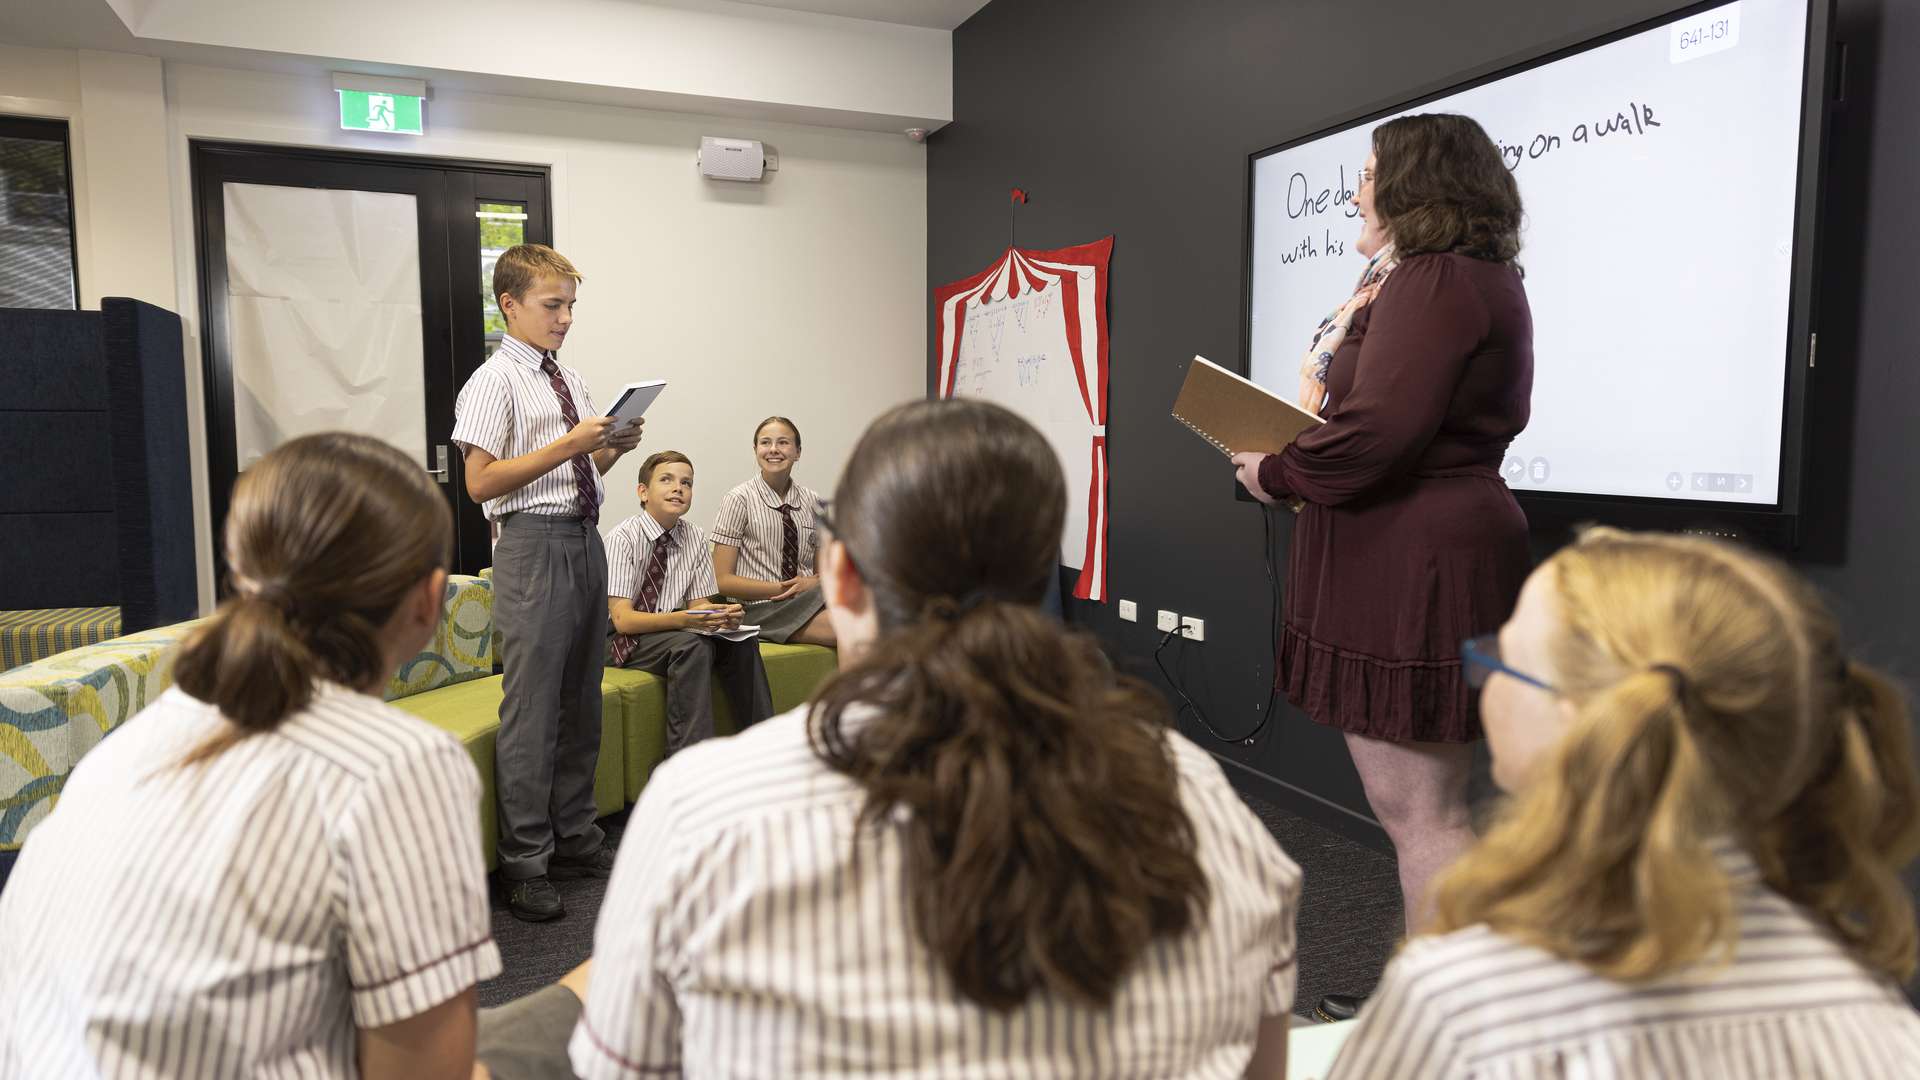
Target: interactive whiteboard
(1659,173)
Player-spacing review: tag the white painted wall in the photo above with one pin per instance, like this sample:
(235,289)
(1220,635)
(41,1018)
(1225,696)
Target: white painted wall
(115,108)
(804,295)
(129,251)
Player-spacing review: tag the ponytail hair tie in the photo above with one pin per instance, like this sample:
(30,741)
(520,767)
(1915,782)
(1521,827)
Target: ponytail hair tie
(271,593)
(947,609)
(1681,685)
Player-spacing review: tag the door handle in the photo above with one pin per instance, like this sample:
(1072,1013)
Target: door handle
(439,471)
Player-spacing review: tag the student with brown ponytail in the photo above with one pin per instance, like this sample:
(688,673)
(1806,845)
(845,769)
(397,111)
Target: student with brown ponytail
(268,871)
(977,852)
(1698,872)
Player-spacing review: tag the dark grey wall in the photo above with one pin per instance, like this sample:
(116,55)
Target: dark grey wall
(1134,117)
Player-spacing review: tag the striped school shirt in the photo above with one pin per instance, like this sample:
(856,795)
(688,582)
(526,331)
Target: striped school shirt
(243,917)
(689,574)
(753,930)
(1793,1003)
(750,520)
(509,408)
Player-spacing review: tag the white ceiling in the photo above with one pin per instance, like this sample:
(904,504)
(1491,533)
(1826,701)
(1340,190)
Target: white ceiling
(893,56)
(933,14)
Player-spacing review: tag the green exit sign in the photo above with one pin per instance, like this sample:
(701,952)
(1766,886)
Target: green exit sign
(372,110)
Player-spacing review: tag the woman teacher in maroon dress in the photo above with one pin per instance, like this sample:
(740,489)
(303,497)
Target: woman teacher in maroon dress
(1408,541)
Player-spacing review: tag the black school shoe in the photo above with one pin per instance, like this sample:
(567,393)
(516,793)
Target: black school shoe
(597,865)
(534,900)
(1337,1007)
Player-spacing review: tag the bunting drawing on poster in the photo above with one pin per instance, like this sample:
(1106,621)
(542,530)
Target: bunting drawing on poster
(1030,332)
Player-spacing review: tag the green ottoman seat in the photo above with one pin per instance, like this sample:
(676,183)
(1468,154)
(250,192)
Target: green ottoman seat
(470,711)
(793,673)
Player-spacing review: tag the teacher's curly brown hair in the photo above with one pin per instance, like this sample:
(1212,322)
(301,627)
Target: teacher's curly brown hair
(1440,184)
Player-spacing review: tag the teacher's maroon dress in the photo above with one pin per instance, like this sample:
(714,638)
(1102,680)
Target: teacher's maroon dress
(1410,542)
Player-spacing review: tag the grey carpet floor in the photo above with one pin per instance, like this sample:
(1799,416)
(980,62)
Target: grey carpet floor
(1349,919)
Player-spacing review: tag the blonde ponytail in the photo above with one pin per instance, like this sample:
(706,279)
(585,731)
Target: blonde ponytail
(1607,859)
(1714,709)
(1839,846)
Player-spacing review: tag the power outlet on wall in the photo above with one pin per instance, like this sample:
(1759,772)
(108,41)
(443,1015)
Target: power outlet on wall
(1129,611)
(1193,629)
(1167,621)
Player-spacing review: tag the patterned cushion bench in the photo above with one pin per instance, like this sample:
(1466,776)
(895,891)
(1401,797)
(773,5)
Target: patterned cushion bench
(37,633)
(54,710)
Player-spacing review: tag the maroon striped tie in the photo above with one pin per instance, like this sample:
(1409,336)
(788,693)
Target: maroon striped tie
(582,464)
(789,546)
(650,585)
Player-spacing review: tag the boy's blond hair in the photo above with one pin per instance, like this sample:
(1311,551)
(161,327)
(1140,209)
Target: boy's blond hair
(521,266)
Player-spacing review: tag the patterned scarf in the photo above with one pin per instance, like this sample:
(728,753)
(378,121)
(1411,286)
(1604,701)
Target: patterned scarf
(1333,329)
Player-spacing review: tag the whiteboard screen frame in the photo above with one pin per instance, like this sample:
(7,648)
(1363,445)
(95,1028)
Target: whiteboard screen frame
(1777,523)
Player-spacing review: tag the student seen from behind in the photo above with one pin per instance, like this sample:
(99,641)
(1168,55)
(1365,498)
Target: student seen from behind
(1698,874)
(269,871)
(976,845)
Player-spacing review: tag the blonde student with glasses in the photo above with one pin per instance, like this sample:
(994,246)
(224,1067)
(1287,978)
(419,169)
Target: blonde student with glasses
(1698,873)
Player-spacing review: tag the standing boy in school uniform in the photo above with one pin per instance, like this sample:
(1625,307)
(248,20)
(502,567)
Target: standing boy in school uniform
(661,598)
(535,448)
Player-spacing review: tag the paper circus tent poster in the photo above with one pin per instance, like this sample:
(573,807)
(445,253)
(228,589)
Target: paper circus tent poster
(1030,332)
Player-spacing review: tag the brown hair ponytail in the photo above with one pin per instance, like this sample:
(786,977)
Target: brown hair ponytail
(325,535)
(1046,843)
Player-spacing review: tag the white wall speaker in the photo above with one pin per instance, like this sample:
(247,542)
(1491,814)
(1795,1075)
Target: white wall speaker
(732,159)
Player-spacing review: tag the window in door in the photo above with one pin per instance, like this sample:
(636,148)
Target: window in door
(502,225)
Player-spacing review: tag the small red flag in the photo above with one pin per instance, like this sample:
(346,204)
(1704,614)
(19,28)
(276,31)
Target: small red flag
(1019,196)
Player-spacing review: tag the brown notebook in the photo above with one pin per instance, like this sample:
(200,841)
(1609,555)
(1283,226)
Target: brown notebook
(1235,415)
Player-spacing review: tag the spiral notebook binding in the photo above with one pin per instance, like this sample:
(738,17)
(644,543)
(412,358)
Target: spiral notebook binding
(1216,443)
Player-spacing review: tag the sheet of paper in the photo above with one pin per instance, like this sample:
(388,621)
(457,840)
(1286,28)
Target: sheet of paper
(1311,1049)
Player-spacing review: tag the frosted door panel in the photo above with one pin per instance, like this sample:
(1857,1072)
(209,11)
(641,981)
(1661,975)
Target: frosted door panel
(323,302)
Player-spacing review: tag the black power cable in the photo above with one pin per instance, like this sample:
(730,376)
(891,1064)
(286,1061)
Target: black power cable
(1273,649)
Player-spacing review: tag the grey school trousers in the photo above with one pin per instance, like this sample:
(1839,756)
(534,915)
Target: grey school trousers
(688,662)
(526,1039)
(550,612)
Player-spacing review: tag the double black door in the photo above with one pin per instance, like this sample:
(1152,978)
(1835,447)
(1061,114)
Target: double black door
(349,291)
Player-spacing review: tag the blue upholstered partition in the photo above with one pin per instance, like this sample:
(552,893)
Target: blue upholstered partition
(152,485)
(96,507)
(57,539)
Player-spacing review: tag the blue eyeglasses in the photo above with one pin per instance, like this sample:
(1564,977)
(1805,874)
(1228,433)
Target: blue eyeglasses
(1480,658)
